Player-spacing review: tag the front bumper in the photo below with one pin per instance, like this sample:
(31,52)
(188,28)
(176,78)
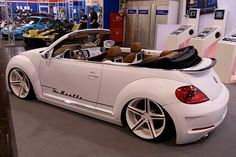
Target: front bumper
(192,122)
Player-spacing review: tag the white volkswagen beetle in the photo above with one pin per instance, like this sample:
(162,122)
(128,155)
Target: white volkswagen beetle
(144,89)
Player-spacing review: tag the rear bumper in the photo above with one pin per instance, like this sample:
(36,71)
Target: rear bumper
(192,122)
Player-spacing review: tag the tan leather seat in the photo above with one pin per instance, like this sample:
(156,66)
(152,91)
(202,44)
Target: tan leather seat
(114,53)
(168,54)
(164,54)
(151,58)
(134,49)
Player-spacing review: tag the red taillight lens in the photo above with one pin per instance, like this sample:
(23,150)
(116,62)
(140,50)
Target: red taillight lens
(190,95)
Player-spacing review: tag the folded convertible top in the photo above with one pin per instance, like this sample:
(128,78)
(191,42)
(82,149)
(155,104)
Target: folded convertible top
(185,58)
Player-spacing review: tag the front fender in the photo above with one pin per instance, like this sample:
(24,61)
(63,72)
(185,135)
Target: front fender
(24,63)
(160,90)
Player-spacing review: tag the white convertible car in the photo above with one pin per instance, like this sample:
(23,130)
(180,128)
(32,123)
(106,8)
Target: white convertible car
(144,89)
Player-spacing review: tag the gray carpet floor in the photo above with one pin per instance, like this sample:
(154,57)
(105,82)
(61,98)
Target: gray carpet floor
(43,130)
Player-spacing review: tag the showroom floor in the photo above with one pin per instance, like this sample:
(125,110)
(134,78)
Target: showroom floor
(7,138)
(42,130)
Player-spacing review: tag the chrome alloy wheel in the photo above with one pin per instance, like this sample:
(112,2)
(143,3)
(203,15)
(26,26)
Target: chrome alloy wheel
(145,118)
(19,83)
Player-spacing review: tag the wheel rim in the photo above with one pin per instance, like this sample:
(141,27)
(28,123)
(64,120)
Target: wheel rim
(145,118)
(19,83)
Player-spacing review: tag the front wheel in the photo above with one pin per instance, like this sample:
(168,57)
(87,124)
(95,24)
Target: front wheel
(146,118)
(20,84)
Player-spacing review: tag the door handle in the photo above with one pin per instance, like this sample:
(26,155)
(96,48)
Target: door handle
(92,75)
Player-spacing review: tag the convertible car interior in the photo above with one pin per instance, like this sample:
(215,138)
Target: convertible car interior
(91,47)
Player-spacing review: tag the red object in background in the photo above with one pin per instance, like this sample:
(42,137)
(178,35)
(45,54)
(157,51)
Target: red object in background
(116,27)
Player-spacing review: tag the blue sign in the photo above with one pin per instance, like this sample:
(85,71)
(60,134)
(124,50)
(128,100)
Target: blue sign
(161,12)
(143,12)
(132,11)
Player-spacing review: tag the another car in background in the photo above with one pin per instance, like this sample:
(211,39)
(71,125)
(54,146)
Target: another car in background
(33,22)
(46,36)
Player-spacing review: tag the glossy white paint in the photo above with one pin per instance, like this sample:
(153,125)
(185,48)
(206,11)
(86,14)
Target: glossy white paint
(102,90)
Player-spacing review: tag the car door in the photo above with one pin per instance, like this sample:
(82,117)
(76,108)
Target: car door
(71,81)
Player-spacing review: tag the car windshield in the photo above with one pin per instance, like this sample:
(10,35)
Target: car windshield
(82,41)
(94,39)
(20,19)
(32,20)
(55,24)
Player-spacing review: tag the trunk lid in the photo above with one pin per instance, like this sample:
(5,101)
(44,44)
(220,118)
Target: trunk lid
(205,78)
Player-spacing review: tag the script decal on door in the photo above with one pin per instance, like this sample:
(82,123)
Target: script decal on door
(62,92)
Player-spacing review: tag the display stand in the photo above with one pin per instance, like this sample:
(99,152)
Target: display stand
(225,55)
(180,37)
(205,41)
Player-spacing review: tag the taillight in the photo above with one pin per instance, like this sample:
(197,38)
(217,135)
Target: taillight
(190,95)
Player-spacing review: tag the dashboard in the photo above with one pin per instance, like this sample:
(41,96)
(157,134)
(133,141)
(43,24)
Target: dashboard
(82,54)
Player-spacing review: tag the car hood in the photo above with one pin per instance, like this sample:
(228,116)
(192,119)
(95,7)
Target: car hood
(35,33)
(34,52)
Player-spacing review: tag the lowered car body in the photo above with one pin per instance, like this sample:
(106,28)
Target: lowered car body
(71,74)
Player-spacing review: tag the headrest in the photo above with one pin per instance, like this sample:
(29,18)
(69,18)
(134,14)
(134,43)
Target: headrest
(136,47)
(114,51)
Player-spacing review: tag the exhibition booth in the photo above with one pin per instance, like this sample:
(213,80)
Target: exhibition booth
(117,78)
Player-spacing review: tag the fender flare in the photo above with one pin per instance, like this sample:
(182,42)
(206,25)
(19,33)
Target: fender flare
(24,63)
(158,89)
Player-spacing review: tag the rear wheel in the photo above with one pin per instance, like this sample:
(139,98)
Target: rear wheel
(20,84)
(146,118)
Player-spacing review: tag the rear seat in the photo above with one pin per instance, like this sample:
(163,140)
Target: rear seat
(134,50)
(114,54)
(164,54)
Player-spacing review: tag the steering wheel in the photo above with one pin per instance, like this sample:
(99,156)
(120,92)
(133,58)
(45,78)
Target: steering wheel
(69,54)
(80,54)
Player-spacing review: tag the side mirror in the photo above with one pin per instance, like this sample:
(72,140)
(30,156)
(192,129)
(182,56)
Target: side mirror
(45,56)
(48,54)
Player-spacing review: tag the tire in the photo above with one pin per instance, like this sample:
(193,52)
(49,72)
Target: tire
(147,119)
(20,84)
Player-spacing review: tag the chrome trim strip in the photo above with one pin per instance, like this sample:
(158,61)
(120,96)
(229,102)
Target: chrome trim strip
(104,111)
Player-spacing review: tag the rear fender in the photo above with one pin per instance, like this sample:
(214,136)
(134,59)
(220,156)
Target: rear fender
(160,90)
